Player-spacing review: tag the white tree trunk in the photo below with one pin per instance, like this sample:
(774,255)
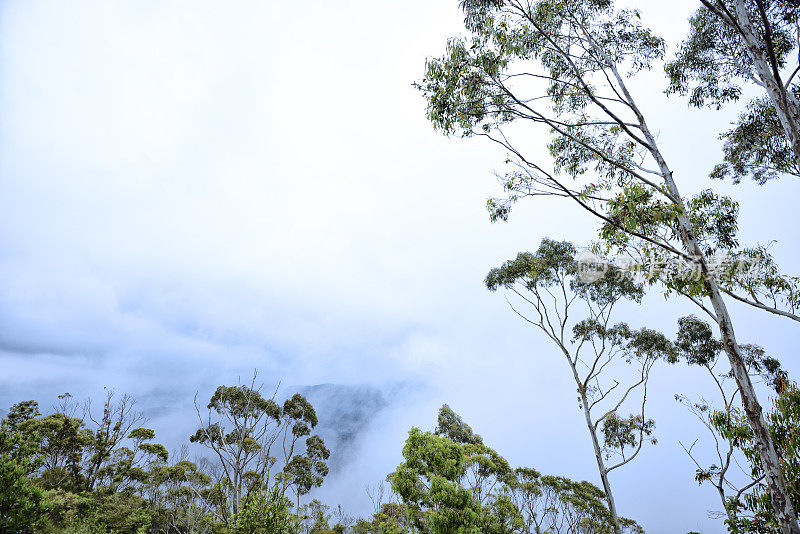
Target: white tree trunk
(598,454)
(770,464)
(783,100)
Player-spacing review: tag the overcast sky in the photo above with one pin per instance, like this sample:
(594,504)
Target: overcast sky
(190,190)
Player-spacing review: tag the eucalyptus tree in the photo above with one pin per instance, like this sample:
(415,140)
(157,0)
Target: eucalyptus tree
(434,479)
(562,506)
(389,518)
(179,489)
(119,418)
(128,468)
(485,470)
(60,440)
(564,65)
(304,462)
(268,512)
(84,462)
(81,454)
(756,41)
(697,346)
(249,433)
(577,316)
(22,502)
(450,481)
(748,506)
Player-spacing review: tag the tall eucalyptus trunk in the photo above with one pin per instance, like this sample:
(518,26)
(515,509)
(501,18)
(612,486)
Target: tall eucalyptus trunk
(598,455)
(783,100)
(768,456)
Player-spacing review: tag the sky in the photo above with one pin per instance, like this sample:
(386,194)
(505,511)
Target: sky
(191,190)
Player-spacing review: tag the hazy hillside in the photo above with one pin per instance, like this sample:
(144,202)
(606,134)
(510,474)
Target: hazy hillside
(344,413)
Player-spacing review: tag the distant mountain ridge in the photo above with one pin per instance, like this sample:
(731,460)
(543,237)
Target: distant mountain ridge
(345,412)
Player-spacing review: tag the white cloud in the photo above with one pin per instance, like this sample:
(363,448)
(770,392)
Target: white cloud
(192,189)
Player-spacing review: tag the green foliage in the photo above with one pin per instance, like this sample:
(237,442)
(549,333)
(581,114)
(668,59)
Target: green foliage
(714,219)
(554,288)
(246,434)
(22,502)
(120,512)
(620,433)
(429,484)
(732,435)
(696,342)
(308,471)
(754,272)
(450,425)
(757,145)
(392,518)
(62,473)
(450,482)
(697,345)
(477,86)
(562,65)
(64,443)
(93,475)
(636,210)
(315,519)
(554,263)
(752,512)
(20,413)
(712,62)
(267,511)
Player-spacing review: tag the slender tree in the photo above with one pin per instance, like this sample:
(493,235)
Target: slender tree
(119,418)
(585,51)
(577,317)
(246,432)
(749,508)
(697,346)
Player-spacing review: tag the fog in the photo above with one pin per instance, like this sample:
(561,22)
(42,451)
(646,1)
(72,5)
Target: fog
(193,190)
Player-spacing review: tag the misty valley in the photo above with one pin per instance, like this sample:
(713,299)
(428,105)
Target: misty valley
(458,267)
